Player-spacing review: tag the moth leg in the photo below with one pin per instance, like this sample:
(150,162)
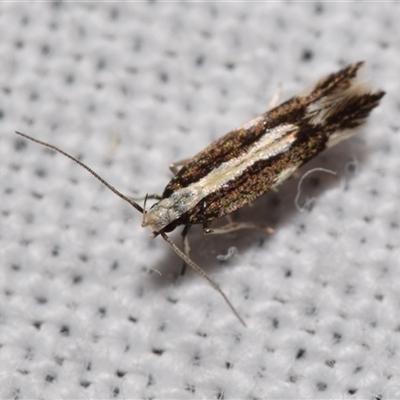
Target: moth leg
(186,246)
(232,226)
(175,166)
(153,196)
(275,98)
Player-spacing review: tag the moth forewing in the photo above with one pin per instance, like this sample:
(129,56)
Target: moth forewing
(242,165)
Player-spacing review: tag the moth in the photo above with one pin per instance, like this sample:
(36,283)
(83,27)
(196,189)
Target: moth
(242,165)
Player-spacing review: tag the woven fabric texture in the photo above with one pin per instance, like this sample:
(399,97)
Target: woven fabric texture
(91,307)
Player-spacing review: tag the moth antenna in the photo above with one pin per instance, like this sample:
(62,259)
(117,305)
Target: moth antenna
(178,251)
(97,176)
(201,272)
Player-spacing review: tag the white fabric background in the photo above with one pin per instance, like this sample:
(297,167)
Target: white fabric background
(91,307)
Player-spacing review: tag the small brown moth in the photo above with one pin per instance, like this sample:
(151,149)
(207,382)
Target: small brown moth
(259,155)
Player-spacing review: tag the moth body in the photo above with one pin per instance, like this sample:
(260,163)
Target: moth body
(259,155)
(245,163)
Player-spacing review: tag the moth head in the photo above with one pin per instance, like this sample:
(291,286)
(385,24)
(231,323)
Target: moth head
(159,215)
